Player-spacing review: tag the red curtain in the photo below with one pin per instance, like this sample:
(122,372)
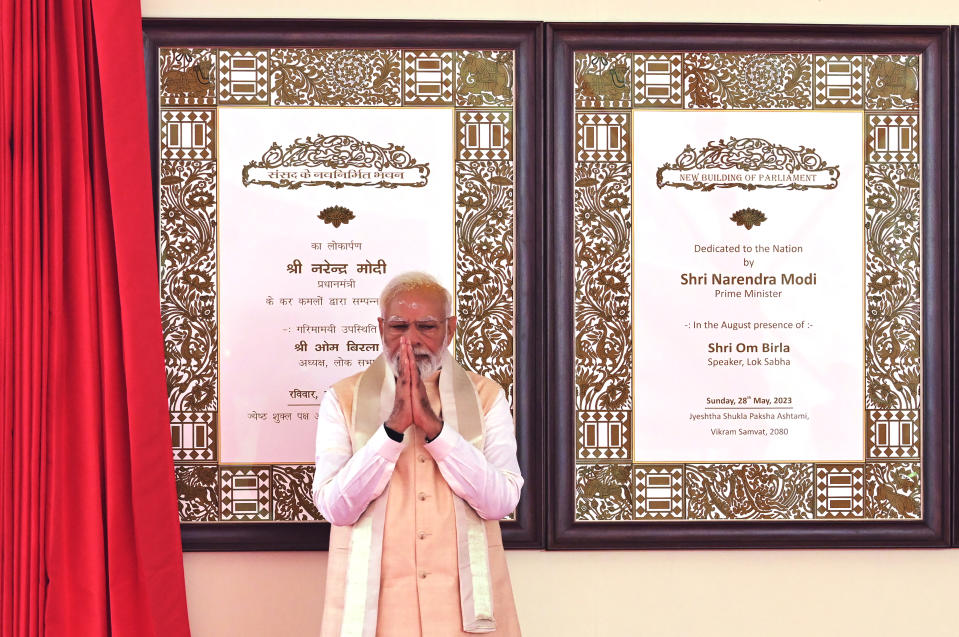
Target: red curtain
(88,515)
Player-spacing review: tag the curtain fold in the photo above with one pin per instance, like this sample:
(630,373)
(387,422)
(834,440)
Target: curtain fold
(22,327)
(90,532)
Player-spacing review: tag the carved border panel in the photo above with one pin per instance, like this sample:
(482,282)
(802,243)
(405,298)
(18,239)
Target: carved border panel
(613,486)
(479,85)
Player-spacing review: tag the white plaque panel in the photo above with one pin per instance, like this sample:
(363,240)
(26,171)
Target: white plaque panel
(297,296)
(748,286)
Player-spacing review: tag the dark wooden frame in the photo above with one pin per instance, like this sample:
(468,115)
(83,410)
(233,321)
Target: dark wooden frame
(527,39)
(938,319)
(953,279)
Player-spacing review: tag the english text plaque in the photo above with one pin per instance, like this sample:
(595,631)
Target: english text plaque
(750,232)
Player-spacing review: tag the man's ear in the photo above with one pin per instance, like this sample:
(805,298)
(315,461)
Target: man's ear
(379,322)
(450,330)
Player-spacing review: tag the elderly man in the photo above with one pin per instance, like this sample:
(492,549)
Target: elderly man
(415,463)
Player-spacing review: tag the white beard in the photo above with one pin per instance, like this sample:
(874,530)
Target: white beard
(426,368)
(429,366)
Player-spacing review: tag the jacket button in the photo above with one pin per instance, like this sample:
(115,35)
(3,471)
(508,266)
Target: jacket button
(422,535)
(420,496)
(423,574)
(422,458)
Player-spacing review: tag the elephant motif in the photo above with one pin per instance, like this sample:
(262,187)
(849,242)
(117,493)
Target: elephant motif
(194,81)
(479,75)
(888,77)
(609,85)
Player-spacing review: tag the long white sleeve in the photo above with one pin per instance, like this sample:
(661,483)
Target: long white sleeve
(490,481)
(345,483)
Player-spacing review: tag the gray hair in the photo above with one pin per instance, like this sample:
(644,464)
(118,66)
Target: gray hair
(408,281)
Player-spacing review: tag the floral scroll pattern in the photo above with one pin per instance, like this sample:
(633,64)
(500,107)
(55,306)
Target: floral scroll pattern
(484,262)
(754,81)
(292,493)
(749,154)
(188,281)
(336,77)
(750,491)
(893,347)
(602,246)
(197,493)
(336,152)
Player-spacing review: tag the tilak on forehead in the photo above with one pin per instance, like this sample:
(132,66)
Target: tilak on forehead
(397,317)
(418,282)
(415,299)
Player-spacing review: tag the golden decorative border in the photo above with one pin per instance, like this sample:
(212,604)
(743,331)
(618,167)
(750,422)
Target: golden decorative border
(611,485)
(193,82)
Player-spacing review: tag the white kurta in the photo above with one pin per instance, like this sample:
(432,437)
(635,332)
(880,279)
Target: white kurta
(345,483)
(419,554)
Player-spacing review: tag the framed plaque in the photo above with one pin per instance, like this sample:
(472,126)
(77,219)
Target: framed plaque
(299,165)
(752,264)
